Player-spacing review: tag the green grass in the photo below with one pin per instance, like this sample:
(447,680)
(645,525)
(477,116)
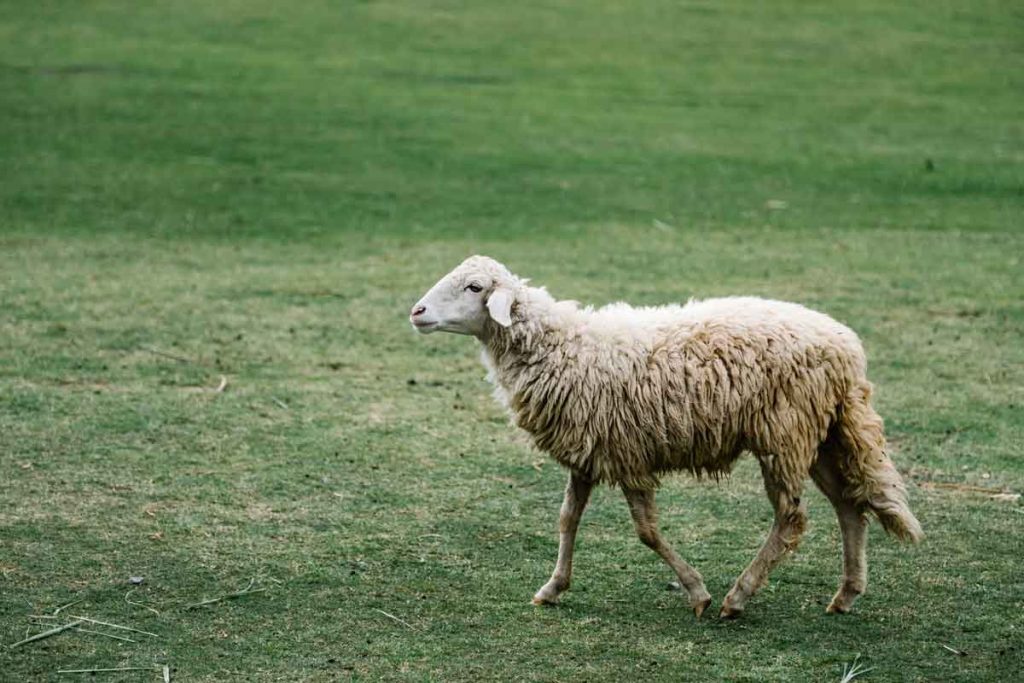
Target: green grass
(262,190)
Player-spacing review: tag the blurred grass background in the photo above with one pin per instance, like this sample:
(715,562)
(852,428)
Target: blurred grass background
(442,118)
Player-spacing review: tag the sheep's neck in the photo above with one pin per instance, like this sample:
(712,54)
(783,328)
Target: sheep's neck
(530,337)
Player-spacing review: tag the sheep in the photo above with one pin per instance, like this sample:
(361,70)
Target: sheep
(622,395)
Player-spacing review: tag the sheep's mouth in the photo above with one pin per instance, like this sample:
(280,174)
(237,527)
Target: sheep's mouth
(425,326)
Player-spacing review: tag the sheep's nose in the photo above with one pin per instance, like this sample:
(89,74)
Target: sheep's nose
(418,310)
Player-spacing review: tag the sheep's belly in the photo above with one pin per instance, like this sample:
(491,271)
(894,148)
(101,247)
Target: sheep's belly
(622,457)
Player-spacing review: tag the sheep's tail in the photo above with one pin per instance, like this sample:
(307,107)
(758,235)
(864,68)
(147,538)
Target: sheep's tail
(871,476)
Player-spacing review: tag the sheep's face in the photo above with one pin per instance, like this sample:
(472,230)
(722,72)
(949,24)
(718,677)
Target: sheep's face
(463,301)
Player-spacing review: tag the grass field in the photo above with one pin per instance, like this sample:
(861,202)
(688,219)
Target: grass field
(259,191)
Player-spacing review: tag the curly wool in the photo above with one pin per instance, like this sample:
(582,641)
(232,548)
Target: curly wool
(622,394)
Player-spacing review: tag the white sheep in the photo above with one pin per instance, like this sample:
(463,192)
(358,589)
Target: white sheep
(621,395)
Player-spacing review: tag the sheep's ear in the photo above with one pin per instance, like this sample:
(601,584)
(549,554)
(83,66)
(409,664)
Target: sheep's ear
(499,304)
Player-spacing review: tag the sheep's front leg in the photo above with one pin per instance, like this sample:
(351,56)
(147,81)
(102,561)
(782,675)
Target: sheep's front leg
(577,493)
(645,518)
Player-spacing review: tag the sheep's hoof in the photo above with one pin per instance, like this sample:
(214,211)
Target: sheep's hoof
(837,608)
(547,596)
(699,608)
(550,592)
(731,608)
(730,612)
(842,601)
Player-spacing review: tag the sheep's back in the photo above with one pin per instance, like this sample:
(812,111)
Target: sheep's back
(762,375)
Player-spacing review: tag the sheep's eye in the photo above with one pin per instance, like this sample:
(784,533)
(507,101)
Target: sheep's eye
(474,288)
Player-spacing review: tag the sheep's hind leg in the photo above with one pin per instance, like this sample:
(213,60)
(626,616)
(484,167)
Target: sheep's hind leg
(853,525)
(790,522)
(645,517)
(577,493)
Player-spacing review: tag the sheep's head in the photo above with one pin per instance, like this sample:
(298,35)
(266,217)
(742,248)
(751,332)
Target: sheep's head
(478,290)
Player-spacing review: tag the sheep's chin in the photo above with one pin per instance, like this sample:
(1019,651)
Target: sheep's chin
(426,328)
